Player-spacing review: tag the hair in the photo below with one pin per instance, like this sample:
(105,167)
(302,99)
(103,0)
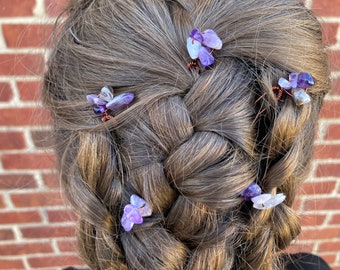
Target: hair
(190,142)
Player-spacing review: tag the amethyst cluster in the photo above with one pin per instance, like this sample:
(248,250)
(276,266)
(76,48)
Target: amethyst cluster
(134,212)
(261,201)
(201,44)
(297,86)
(107,101)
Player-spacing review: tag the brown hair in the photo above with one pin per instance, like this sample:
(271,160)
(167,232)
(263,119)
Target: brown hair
(190,143)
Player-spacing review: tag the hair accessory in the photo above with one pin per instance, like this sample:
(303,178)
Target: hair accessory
(197,51)
(261,201)
(296,87)
(106,103)
(76,39)
(134,212)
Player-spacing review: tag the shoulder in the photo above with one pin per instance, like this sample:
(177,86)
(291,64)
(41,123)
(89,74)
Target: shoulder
(304,261)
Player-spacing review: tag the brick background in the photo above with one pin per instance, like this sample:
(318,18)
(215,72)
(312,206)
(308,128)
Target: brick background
(36,229)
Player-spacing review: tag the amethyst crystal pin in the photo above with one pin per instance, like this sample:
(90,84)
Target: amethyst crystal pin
(134,212)
(297,86)
(200,45)
(106,102)
(261,201)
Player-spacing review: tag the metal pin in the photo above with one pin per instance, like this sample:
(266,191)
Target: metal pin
(76,39)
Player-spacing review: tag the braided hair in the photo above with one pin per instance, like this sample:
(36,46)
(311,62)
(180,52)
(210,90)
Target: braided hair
(190,142)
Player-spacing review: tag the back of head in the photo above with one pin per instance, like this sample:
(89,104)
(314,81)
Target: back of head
(190,142)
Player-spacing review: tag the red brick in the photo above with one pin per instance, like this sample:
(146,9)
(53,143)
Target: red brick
(322,204)
(19,217)
(2,203)
(16,8)
(24,117)
(67,245)
(23,35)
(21,64)
(329,247)
(61,216)
(330,109)
(12,140)
(25,248)
(32,161)
(54,261)
(6,93)
(51,180)
(6,234)
(55,8)
(330,31)
(297,204)
(11,264)
(29,90)
(334,59)
(296,248)
(35,199)
(335,219)
(335,86)
(17,181)
(333,133)
(318,187)
(326,7)
(316,131)
(328,170)
(48,232)
(312,220)
(42,138)
(318,234)
(327,151)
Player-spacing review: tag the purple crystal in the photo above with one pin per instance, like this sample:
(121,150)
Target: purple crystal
(130,217)
(266,201)
(302,80)
(205,57)
(94,99)
(105,94)
(300,96)
(211,39)
(143,207)
(120,101)
(252,191)
(134,212)
(293,77)
(285,84)
(305,80)
(99,109)
(196,35)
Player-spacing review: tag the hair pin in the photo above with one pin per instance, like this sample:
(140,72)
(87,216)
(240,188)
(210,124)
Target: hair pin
(201,45)
(134,212)
(76,39)
(261,201)
(106,102)
(296,87)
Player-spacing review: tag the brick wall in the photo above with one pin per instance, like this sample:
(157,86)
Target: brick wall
(36,229)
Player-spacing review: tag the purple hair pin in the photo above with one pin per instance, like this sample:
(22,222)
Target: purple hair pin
(106,103)
(201,45)
(134,212)
(296,87)
(261,201)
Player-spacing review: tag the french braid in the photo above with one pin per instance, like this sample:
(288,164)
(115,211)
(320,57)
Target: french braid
(191,142)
